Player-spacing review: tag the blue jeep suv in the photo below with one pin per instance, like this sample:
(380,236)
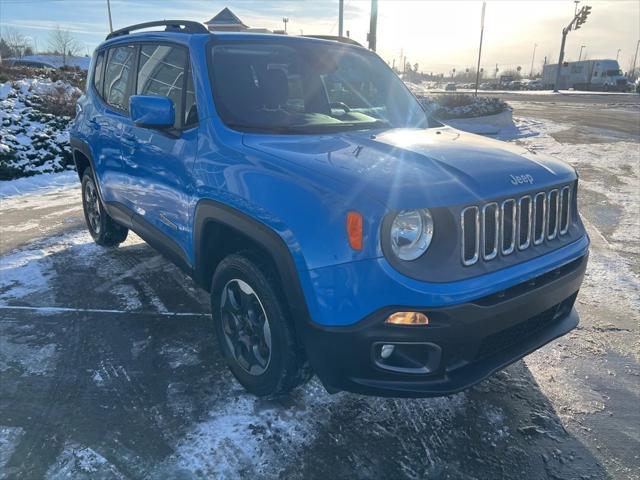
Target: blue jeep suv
(340,231)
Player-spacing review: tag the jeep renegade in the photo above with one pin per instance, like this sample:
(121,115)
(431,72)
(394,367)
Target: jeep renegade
(340,231)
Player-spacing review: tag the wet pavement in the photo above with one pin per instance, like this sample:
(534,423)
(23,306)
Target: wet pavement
(109,367)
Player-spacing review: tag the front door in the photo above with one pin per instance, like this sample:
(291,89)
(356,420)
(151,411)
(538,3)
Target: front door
(159,162)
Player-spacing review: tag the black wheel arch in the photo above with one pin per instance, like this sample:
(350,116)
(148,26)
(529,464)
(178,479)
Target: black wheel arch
(82,156)
(220,230)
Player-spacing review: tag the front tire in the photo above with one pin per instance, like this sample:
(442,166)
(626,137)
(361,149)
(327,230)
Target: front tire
(254,329)
(104,230)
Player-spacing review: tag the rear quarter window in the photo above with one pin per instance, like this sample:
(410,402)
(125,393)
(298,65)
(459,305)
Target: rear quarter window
(98,72)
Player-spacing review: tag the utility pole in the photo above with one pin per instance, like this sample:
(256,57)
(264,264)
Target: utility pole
(484,6)
(580,56)
(578,20)
(575,10)
(535,45)
(373,25)
(110,21)
(285,21)
(340,17)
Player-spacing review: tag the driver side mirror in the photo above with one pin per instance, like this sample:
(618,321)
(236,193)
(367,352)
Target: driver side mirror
(152,111)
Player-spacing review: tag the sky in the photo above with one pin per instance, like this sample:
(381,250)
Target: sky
(439,35)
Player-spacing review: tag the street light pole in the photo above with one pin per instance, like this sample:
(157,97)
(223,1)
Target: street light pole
(580,56)
(618,54)
(109,11)
(340,17)
(535,45)
(373,25)
(578,20)
(484,6)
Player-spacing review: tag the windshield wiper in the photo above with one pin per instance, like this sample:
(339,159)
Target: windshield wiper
(338,127)
(309,129)
(259,128)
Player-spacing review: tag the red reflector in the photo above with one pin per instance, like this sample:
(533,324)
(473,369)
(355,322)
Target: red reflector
(354,230)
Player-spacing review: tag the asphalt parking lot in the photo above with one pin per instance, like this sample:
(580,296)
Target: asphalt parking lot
(109,366)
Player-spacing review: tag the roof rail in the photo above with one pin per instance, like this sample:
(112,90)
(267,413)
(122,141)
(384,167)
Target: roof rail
(184,26)
(335,38)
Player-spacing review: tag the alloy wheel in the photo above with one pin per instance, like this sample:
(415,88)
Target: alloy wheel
(245,326)
(92,206)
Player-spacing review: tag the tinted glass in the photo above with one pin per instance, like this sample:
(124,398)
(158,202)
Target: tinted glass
(97,73)
(308,87)
(161,72)
(116,77)
(190,108)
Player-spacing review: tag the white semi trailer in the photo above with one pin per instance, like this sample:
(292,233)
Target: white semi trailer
(586,75)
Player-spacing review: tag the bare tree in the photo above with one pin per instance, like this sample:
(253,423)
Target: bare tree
(63,43)
(16,43)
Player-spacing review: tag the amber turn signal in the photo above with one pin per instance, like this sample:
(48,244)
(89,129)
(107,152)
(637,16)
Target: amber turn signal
(408,318)
(354,230)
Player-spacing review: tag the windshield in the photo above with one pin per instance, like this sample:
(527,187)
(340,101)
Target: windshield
(306,87)
(614,73)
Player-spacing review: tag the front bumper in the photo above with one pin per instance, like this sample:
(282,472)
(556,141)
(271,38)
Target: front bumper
(462,345)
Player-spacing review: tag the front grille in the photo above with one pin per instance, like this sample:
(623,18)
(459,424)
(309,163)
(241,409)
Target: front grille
(514,224)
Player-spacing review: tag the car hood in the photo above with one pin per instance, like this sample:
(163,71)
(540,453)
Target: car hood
(412,168)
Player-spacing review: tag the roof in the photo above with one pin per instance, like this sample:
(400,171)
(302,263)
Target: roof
(185,39)
(226,17)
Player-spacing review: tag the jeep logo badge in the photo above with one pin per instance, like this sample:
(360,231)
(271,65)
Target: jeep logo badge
(520,179)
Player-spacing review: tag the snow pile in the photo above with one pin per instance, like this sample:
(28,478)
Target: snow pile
(48,182)
(444,107)
(31,139)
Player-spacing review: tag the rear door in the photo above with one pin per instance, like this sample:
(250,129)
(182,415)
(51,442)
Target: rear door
(108,123)
(159,162)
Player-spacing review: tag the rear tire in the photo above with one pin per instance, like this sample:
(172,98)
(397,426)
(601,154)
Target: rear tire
(104,230)
(254,329)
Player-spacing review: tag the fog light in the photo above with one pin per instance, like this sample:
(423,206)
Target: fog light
(386,351)
(408,318)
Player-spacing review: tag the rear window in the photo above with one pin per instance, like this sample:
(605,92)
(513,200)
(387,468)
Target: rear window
(116,77)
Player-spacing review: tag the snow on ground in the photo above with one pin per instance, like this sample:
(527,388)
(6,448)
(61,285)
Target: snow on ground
(31,140)
(9,439)
(611,170)
(46,181)
(240,435)
(82,463)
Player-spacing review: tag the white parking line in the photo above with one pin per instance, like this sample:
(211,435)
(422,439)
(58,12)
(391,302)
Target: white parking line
(99,310)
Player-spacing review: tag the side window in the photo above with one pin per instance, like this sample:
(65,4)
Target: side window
(162,72)
(190,106)
(116,77)
(98,73)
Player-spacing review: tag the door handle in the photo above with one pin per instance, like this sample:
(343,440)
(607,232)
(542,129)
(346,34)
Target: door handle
(93,123)
(128,140)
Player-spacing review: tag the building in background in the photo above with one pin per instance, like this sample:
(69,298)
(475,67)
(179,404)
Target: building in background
(227,21)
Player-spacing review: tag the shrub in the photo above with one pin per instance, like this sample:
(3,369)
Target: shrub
(458,105)
(60,101)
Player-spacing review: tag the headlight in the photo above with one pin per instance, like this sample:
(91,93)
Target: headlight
(411,233)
